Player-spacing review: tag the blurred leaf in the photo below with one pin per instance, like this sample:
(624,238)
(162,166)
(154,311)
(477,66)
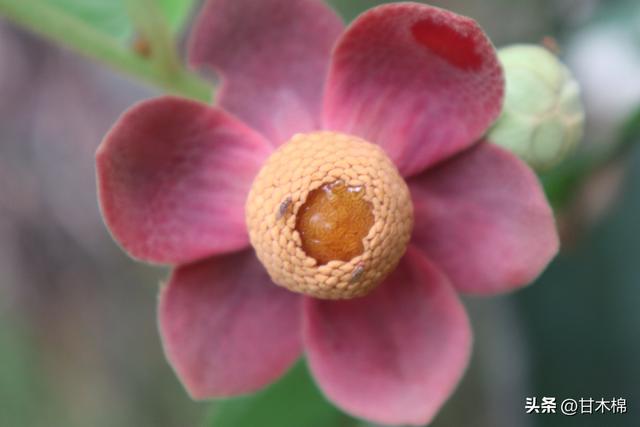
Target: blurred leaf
(177,12)
(112,16)
(294,401)
(21,381)
(107,16)
(581,318)
(350,9)
(102,30)
(560,183)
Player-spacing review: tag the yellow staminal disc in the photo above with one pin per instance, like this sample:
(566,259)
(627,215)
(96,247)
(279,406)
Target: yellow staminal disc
(333,221)
(329,215)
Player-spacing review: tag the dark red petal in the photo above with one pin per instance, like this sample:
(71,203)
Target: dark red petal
(273,56)
(422,82)
(173,176)
(226,328)
(483,218)
(395,355)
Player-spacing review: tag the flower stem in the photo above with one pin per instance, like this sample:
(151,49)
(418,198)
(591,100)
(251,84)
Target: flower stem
(152,28)
(49,21)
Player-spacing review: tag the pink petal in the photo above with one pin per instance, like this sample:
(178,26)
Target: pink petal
(394,356)
(273,56)
(483,217)
(226,328)
(422,82)
(173,176)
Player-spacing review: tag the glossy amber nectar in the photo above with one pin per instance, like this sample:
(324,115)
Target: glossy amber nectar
(333,221)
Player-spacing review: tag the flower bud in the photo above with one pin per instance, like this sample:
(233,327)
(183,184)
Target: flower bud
(543,118)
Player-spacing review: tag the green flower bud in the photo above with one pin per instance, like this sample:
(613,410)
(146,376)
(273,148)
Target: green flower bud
(543,118)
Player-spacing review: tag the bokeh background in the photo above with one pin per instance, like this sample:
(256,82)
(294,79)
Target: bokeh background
(78,338)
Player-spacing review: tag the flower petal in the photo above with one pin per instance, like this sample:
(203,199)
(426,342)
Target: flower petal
(273,56)
(394,356)
(483,217)
(173,176)
(422,82)
(226,328)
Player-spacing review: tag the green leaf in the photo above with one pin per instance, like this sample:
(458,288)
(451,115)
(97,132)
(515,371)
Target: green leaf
(111,17)
(177,12)
(350,9)
(23,386)
(79,27)
(294,401)
(107,16)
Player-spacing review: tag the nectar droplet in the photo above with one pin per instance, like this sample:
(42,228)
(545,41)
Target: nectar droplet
(333,221)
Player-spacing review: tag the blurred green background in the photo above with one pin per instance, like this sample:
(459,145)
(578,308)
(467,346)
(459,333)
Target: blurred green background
(78,339)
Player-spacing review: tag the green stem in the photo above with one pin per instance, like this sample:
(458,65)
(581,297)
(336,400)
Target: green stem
(153,28)
(48,21)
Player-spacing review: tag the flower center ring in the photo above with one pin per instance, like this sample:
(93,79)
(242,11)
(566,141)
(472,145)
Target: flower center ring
(329,215)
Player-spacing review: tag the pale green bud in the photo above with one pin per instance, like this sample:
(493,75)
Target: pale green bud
(543,118)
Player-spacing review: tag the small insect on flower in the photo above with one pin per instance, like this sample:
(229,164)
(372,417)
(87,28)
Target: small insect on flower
(357,273)
(141,46)
(283,208)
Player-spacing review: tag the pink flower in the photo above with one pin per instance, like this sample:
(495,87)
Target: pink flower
(422,83)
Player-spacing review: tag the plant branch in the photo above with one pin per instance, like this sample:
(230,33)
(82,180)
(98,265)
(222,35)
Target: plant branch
(46,20)
(153,28)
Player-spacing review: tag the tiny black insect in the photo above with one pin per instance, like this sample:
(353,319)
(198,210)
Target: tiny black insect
(357,273)
(284,207)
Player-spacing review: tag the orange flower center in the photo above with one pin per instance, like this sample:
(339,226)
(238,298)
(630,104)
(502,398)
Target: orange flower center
(329,215)
(333,221)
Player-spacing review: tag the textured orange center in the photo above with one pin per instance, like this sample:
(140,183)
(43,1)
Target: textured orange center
(333,221)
